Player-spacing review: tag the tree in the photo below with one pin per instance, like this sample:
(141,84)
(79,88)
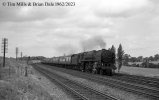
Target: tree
(150,58)
(156,57)
(133,59)
(120,56)
(126,58)
(113,49)
(140,58)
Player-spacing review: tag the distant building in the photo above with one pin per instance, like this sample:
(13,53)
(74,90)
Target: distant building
(154,62)
(135,64)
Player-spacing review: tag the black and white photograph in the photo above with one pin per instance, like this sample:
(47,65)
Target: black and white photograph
(79,49)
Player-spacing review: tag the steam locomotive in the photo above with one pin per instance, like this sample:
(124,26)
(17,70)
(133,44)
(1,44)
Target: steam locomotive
(98,62)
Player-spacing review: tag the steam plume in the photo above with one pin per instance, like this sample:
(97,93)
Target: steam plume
(67,49)
(93,43)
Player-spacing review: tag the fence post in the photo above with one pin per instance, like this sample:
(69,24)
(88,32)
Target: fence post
(26,73)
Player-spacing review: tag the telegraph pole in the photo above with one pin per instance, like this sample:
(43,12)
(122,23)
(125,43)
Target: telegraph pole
(16,51)
(4,49)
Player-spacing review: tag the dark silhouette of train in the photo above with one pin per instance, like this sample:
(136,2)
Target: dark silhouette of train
(98,62)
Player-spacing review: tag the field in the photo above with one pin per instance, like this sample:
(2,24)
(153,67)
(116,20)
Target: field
(150,72)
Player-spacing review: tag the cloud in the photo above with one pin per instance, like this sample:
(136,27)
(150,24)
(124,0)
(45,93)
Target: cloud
(53,31)
(122,8)
(67,49)
(30,13)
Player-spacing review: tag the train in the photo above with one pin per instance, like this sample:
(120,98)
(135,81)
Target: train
(95,61)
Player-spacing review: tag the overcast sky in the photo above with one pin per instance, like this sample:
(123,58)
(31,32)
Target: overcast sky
(53,31)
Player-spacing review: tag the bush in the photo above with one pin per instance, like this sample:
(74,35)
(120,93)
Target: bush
(151,65)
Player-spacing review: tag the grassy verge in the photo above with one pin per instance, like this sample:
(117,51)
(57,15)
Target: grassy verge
(14,85)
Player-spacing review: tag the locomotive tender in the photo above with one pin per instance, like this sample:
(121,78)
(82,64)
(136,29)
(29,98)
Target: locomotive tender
(100,61)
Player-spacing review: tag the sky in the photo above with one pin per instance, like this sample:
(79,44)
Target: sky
(89,25)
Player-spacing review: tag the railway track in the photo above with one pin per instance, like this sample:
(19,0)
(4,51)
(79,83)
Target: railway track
(152,82)
(78,90)
(149,92)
